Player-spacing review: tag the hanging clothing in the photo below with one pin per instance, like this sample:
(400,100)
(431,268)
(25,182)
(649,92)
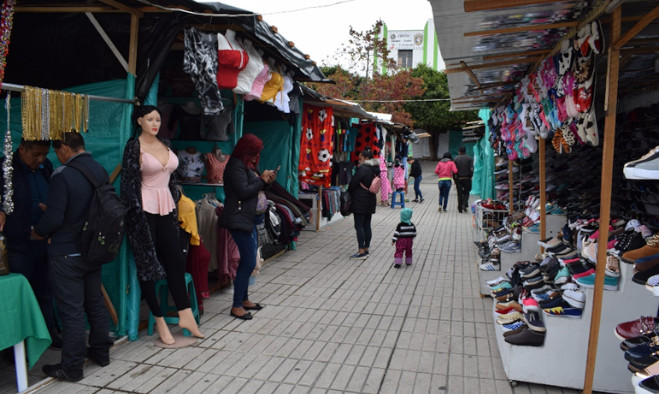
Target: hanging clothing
(385,190)
(207,223)
(281,99)
(215,168)
(226,253)
(254,67)
(200,62)
(192,166)
(187,218)
(366,139)
(316,146)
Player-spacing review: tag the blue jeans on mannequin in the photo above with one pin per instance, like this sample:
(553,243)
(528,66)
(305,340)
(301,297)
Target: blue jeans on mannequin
(247,246)
(444,188)
(363,229)
(417,189)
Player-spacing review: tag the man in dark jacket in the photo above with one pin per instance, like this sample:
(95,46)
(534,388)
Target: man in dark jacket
(465,165)
(76,284)
(26,255)
(363,202)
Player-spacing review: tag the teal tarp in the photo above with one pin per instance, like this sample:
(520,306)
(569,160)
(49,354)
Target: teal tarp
(280,143)
(109,128)
(483,181)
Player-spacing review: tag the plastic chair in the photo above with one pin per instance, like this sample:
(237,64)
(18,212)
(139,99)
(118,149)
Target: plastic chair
(401,196)
(163,291)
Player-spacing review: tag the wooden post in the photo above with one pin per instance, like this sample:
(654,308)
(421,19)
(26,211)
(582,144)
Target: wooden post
(510,187)
(542,190)
(605,199)
(319,207)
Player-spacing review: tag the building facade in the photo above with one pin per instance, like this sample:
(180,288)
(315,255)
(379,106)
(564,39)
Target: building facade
(410,48)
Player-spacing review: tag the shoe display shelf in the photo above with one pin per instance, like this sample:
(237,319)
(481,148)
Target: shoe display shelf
(486,219)
(529,248)
(561,361)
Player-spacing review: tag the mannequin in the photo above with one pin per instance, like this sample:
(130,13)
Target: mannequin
(216,161)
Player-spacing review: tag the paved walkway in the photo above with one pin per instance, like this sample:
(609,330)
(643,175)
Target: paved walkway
(336,325)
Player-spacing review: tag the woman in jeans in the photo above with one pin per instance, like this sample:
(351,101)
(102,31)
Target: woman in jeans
(363,201)
(242,184)
(445,170)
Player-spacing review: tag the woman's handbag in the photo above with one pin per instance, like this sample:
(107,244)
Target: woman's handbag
(261,203)
(345,203)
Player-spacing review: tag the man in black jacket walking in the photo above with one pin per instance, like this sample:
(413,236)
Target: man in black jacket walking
(465,165)
(76,284)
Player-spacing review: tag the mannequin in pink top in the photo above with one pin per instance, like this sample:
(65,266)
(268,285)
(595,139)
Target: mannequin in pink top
(152,220)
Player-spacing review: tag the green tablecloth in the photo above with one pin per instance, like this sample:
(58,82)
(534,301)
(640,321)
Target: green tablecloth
(21,318)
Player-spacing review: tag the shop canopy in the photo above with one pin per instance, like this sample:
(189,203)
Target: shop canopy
(90,41)
(489,46)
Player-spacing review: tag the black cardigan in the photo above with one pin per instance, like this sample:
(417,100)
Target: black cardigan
(362,200)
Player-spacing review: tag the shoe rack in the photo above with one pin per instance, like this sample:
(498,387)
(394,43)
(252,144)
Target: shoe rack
(529,248)
(561,361)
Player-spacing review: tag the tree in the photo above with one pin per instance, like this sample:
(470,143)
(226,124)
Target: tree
(436,116)
(363,46)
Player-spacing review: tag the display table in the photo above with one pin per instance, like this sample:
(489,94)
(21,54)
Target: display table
(22,324)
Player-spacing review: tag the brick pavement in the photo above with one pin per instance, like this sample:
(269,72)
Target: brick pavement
(336,325)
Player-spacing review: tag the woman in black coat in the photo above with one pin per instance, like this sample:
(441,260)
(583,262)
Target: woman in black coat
(363,202)
(242,184)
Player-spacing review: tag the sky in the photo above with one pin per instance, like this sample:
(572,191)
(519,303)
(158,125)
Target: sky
(319,27)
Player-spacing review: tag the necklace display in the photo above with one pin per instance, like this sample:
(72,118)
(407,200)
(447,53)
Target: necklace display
(48,114)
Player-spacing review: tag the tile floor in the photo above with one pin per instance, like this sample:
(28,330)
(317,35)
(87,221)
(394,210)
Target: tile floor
(332,324)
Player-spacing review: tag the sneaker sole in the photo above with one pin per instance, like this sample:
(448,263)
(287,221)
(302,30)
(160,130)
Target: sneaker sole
(574,303)
(653,289)
(640,173)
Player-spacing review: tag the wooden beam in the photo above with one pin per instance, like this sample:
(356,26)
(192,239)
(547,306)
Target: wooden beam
(542,189)
(122,7)
(611,99)
(66,9)
(471,74)
(472,102)
(640,25)
(493,64)
(484,5)
(495,84)
(132,50)
(521,29)
(516,54)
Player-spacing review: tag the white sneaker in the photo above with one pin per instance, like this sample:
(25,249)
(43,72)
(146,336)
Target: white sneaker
(489,266)
(652,284)
(647,167)
(497,281)
(576,298)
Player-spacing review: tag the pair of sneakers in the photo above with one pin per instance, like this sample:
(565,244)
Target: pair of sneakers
(418,200)
(360,256)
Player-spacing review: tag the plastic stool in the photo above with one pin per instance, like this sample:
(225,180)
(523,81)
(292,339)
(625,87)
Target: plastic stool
(163,290)
(401,203)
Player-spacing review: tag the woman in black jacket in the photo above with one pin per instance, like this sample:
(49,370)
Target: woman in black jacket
(242,184)
(363,202)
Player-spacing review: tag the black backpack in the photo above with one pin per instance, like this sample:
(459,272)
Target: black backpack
(103,231)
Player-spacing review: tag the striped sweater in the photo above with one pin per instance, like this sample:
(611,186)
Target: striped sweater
(404,230)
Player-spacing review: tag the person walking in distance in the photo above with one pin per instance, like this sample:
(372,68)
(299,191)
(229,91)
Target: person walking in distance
(465,165)
(416,172)
(445,170)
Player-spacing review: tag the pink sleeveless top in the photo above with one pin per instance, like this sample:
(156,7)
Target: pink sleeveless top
(156,197)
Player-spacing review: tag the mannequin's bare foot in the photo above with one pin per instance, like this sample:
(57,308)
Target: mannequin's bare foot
(163,331)
(186,320)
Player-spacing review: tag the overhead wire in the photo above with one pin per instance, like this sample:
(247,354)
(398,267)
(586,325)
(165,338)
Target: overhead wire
(174,9)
